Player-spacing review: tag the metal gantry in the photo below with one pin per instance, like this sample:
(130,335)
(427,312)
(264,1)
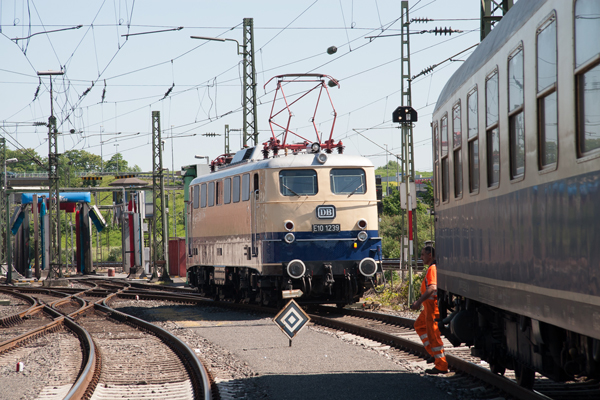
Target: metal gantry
(249,103)
(492,11)
(3,205)
(408,165)
(160,232)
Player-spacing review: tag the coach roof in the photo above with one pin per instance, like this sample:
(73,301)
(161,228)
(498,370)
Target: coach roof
(514,19)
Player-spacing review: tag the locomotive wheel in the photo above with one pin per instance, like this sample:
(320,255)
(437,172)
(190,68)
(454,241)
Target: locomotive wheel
(525,376)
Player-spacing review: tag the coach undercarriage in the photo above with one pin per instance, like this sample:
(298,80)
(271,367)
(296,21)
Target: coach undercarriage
(525,345)
(247,285)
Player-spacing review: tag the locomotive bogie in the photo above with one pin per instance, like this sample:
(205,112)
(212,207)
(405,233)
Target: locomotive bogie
(293,223)
(516,195)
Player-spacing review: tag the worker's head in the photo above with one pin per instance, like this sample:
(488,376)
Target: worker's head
(428,255)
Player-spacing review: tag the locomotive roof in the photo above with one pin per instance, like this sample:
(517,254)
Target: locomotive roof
(509,25)
(301,160)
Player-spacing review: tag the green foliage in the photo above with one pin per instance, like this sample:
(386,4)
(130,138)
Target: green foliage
(428,195)
(115,254)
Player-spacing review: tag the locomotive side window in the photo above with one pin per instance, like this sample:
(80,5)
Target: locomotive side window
(445,163)
(436,165)
(203,195)
(196,196)
(587,74)
(219,193)
(211,194)
(347,181)
(245,187)
(516,119)
(227,191)
(298,182)
(473,138)
(546,93)
(457,146)
(492,132)
(236,189)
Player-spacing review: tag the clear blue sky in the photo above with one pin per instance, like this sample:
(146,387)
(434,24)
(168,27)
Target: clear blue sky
(290,37)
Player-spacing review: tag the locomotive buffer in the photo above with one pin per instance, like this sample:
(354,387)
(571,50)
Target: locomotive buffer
(291,319)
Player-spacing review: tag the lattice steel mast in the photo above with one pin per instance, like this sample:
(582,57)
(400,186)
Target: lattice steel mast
(160,234)
(249,104)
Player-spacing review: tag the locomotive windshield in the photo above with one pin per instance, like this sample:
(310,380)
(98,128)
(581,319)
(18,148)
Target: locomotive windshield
(298,182)
(347,181)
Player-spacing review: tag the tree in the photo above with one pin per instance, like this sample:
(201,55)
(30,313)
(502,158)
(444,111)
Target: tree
(428,195)
(29,161)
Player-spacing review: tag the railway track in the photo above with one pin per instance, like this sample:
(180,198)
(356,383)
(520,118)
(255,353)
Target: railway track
(106,354)
(398,332)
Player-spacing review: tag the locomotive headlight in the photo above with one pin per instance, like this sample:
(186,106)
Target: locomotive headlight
(296,269)
(289,225)
(289,237)
(322,158)
(362,223)
(367,267)
(362,236)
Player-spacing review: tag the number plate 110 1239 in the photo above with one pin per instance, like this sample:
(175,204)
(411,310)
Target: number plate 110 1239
(324,228)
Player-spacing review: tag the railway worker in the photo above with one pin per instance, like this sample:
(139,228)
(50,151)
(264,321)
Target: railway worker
(425,325)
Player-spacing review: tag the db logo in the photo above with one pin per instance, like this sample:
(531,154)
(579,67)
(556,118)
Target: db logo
(326,212)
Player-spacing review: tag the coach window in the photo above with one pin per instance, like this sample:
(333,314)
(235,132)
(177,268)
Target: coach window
(492,132)
(203,195)
(473,140)
(587,74)
(211,194)
(457,147)
(196,196)
(546,94)
(227,191)
(298,182)
(445,162)
(436,164)
(347,181)
(245,187)
(516,120)
(236,189)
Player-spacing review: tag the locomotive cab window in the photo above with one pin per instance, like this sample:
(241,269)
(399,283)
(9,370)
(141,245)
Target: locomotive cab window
(516,119)
(457,146)
(347,181)
(492,131)
(546,94)
(587,75)
(473,140)
(298,182)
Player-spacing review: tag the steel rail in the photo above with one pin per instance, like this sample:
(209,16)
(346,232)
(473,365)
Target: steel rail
(200,374)
(14,319)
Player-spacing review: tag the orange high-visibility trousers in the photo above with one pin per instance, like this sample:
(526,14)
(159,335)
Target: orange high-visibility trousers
(427,329)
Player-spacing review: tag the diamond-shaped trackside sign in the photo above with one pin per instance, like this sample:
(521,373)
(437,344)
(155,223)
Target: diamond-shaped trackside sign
(291,319)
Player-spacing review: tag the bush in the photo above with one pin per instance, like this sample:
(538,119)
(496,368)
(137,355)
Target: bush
(115,254)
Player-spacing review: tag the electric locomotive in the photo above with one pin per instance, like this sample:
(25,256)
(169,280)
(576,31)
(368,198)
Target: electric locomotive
(517,194)
(285,221)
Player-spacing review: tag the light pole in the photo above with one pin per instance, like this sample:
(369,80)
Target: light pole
(8,253)
(202,157)
(117,156)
